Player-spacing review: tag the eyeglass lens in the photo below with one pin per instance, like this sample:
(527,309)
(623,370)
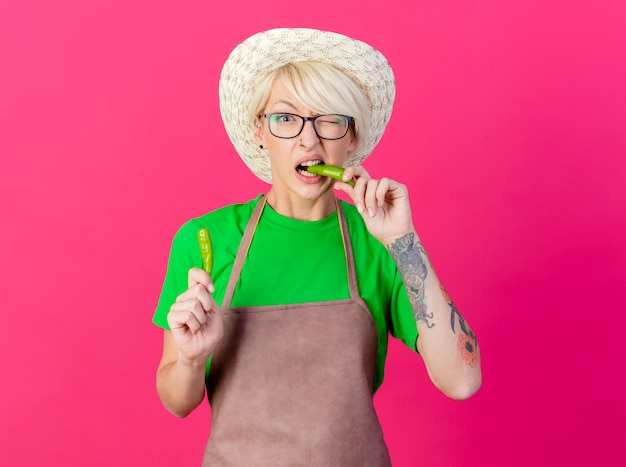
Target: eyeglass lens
(286,125)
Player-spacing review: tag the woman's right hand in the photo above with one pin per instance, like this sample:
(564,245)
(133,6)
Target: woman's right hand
(195,320)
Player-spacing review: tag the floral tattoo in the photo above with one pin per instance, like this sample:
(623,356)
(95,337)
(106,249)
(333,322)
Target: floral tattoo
(467,342)
(412,268)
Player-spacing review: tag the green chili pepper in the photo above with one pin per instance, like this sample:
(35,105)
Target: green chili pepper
(206,250)
(327,170)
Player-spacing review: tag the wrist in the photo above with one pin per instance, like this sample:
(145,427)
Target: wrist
(400,238)
(193,363)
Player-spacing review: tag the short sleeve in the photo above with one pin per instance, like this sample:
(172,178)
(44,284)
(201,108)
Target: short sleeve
(403,325)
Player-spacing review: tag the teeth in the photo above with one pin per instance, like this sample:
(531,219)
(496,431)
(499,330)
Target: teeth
(302,168)
(305,173)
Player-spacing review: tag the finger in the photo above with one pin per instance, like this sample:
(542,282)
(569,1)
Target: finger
(355,171)
(197,292)
(191,306)
(200,276)
(214,307)
(341,186)
(371,203)
(358,194)
(189,315)
(381,191)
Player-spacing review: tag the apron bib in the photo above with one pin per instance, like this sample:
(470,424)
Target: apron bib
(291,385)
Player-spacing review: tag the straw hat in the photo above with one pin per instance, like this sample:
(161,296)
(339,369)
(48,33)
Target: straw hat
(262,53)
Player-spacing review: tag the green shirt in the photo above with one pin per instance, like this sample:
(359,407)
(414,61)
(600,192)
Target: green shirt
(293,261)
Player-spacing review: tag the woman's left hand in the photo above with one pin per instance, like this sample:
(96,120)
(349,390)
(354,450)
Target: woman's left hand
(384,204)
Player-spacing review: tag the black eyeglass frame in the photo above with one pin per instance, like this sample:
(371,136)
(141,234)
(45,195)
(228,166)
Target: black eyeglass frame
(308,119)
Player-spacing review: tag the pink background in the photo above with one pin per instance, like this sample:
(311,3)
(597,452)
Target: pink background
(509,130)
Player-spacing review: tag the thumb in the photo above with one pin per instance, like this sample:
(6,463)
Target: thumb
(199,276)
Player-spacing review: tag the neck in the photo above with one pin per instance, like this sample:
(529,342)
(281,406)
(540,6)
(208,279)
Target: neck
(301,208)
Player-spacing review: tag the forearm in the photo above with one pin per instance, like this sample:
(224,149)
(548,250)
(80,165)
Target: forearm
(181,386)
(446,342)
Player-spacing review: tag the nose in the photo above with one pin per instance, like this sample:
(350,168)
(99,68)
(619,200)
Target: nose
(308,136)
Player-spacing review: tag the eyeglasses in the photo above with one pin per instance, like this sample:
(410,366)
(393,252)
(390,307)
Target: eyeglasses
(286,125)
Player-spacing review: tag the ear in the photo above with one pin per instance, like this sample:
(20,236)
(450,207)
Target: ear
(259,134)
(353,144)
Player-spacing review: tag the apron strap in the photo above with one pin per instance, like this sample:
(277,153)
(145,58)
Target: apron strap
(347,247)
(242,252)
(246,241)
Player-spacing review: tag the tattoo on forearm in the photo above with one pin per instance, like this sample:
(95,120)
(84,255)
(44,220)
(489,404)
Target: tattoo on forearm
(467,342)
(409,257)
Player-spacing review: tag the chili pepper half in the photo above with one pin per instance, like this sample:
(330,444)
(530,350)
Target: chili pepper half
(327,170)
(206,249)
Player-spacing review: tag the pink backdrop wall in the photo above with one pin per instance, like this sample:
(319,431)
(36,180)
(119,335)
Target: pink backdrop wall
(509,130)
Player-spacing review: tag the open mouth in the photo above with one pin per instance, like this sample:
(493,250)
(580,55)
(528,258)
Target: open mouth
(302,168)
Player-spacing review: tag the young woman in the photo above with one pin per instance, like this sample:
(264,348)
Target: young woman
(289,331)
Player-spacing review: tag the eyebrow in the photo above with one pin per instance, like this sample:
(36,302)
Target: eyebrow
(282,101)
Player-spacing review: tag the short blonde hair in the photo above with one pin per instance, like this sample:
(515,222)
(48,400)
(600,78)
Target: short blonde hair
(321,88)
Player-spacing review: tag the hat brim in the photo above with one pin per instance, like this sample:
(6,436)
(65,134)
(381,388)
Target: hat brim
(266,51)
